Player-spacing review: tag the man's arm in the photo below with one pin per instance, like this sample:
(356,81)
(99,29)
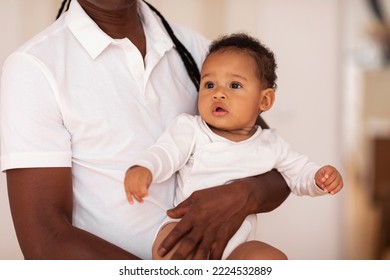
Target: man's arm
(210,217)
(41,201)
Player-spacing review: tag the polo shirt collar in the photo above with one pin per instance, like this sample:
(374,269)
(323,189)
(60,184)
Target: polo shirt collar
(95,41)
(155,31)
(86,31)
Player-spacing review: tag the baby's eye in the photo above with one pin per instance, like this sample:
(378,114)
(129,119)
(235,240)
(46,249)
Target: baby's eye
(209,85)
(235,85)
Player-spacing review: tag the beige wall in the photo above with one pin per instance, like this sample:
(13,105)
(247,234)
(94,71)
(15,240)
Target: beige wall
(305,35)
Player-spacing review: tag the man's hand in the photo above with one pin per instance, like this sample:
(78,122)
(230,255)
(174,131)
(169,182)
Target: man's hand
(210,217)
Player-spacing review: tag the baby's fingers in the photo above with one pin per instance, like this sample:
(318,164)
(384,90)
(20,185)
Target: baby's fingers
(334,184)
(139,198)
(328,173)
(337,189)
(131,196)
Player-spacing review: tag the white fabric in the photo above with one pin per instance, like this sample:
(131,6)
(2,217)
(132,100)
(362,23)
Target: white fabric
(205,159)
(74,97)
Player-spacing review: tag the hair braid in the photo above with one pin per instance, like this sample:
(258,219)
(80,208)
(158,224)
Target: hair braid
(188,60)
(62,8)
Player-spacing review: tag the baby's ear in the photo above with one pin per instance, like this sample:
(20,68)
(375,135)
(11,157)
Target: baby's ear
(267,99)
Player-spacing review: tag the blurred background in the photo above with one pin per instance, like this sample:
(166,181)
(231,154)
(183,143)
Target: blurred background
(333,104)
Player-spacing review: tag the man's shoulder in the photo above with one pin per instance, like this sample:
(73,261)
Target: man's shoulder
(43,38)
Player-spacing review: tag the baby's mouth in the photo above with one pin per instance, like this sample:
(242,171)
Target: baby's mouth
(218,109)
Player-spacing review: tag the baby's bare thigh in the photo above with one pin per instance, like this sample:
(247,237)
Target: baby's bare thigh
(256,250)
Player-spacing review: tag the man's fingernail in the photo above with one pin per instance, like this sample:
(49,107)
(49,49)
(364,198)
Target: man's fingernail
(161,252)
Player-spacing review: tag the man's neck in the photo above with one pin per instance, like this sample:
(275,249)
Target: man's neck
(118,18)
(113,5)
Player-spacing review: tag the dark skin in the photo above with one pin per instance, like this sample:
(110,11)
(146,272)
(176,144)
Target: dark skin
(41,199)
(124,24)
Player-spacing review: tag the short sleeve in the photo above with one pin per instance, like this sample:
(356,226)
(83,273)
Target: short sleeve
(32,129)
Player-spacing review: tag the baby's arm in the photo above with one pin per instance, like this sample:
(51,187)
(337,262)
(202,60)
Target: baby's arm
(137,182)
(329,179)
(161,160)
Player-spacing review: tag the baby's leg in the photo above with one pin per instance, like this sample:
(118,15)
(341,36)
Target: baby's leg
(256,250)
(159,239)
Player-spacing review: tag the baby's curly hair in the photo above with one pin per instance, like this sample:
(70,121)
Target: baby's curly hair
(263,56)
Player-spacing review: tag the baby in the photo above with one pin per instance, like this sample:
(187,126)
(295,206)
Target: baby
(223,143)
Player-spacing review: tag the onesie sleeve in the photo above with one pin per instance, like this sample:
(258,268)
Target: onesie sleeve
(32,129)
(172,149)
(296,169)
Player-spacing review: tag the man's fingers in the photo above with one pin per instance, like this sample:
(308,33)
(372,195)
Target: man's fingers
(186,247)
(207,223)
(180,210)
(195,245)
(202,251)
(219,243)
(181,229)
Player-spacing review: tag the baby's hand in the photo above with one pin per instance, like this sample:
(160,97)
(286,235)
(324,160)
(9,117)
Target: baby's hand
(329,179)
(137,182)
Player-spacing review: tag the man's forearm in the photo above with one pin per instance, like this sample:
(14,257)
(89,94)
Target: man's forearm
(41,202)
(75,243)
(267,192)
(56,238)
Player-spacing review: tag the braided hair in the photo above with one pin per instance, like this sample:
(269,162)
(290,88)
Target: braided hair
(62,8)
(188,60)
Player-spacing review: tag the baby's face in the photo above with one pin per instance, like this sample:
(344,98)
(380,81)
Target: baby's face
(230,91)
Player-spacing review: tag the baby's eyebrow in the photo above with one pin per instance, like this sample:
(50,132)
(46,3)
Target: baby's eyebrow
(232,74)
(239,76)
(205,75)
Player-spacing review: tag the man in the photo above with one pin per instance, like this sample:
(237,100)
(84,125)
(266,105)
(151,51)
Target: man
(79,102)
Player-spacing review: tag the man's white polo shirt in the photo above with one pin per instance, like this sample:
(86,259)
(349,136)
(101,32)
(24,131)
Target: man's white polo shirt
(74,97)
